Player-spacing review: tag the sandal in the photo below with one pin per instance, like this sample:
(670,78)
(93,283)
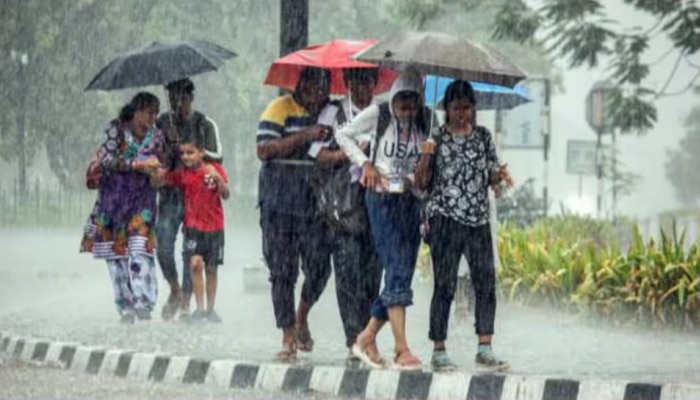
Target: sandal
(288,354)
(304,340)
(371,358)
(405,361)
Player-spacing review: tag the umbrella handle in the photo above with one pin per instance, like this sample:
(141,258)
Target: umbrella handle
(433,114)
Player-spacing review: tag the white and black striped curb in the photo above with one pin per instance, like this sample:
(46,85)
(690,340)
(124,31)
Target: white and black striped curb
(335,381)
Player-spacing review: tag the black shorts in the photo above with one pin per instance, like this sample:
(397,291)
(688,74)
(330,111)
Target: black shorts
(209,245)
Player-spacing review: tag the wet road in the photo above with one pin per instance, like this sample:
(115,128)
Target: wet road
(48,290)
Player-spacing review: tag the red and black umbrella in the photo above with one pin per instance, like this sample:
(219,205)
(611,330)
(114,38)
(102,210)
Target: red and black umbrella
(335,56)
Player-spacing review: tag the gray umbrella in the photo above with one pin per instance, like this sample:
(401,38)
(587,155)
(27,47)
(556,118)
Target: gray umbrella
(443,55)
(160,63)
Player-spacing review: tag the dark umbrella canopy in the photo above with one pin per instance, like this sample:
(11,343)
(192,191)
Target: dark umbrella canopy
(160,63)
(444,55)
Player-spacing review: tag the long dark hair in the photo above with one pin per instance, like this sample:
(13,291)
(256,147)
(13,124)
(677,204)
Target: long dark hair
(458,90)
(139,102)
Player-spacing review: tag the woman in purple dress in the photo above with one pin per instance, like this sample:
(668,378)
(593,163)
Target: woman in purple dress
(121,229)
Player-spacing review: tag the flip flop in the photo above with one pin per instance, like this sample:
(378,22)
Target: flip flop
(413,363)
(288,354)
(364,356)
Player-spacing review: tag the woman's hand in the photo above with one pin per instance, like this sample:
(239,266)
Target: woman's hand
(370,177)
(148,165)
(428,147)
(501,180)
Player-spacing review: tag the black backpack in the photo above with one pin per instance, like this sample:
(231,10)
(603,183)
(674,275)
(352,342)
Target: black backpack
(338,201)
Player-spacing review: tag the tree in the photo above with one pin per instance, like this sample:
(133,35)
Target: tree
(53,112)
(622,182)
(683,163)
(580,31)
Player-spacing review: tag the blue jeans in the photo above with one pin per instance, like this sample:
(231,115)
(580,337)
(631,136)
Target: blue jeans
(395,225)
(171,212)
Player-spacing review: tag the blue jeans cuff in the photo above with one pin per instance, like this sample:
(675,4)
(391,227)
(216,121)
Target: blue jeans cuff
(397,298)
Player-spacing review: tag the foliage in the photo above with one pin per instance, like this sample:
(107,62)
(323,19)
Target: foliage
(580,31)
(623,182)
(651,283)
(683,163)
(599,270)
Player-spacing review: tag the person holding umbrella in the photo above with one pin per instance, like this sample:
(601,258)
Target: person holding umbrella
(292,232)
(457,167)
(182,123)
(357,270)
(169,63)
(396,130)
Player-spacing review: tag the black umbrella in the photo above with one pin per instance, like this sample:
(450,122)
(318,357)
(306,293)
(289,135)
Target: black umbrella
(160,63)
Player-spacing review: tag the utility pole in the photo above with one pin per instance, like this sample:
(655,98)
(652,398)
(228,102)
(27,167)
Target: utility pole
(546,133)
(614,176)
(294,26)
(599,118)
(21,57)
(599,172)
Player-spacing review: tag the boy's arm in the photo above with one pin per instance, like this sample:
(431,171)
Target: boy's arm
(219,175)
(162,177)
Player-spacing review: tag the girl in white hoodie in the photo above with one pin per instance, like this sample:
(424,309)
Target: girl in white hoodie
(396,131)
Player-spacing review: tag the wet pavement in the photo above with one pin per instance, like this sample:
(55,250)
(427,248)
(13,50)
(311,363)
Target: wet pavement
(48,290)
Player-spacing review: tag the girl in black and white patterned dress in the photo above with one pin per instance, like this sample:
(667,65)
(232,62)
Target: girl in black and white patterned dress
(457,169)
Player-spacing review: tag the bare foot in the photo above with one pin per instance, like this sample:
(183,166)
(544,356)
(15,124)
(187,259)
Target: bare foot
(305,342)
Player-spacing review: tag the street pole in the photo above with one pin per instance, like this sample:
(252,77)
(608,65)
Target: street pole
(22,60)
(546,133)
(580,187)
(19,55)
(614,176)
(294,26)
(599,170)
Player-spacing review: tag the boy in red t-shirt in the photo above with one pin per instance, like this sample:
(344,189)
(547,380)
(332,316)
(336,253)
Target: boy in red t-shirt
(203,186)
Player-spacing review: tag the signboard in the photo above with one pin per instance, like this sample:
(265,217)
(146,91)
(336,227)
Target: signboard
(580,157)
(599,109)
(522,126)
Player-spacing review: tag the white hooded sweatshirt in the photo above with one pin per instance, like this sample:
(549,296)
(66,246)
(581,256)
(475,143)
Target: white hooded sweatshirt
(393,148)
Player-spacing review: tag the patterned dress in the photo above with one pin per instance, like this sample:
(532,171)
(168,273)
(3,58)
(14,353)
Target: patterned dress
(121,227)
(463,169)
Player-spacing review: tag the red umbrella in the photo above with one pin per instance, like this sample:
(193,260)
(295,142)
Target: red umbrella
(336,56)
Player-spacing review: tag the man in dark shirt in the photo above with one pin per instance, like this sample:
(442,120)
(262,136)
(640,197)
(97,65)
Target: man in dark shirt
(293,235)
(180,123)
